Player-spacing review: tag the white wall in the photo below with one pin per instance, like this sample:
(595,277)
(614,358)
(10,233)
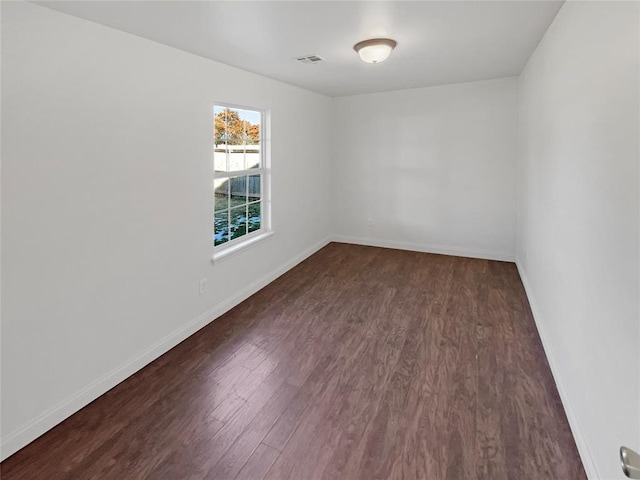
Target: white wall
(107,205)
(578,247)
(430,169)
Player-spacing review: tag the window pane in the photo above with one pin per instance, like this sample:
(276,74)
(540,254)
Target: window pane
(221,139)
(220,153)
(236,124)
(255,188)
(238,226)
(252,153)
(238,191)
(221,197)
(220,115)
(255,220)
(251,121)
(221,227)
(224,124)
(252,129)
(236,157)
(220,122)
(235,128)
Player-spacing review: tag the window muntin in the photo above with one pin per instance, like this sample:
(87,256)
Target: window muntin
(239,174)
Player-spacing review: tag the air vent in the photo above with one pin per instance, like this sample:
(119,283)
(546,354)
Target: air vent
(310,59)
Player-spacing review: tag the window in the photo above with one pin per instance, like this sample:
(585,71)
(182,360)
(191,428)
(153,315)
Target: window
(240,176)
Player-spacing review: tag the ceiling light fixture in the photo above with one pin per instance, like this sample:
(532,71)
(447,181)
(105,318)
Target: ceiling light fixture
(375,50)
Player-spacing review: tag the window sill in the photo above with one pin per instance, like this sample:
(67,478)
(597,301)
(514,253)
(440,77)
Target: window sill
(231,250)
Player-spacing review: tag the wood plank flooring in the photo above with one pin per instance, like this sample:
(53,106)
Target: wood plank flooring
(360,363)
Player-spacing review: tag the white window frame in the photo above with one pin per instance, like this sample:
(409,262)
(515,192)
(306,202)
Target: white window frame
(233,246)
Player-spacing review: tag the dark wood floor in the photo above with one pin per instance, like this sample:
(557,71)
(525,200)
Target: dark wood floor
(360,363)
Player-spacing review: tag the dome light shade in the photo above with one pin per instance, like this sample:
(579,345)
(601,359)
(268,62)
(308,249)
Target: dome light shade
(375,50)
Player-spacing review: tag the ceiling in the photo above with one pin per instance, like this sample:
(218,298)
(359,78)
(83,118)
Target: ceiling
(439,42)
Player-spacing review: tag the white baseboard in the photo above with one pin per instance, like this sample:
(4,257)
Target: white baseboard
(426,248)
(574,424)
(56,414)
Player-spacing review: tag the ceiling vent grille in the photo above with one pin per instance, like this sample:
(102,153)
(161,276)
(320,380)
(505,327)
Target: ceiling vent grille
(310,59)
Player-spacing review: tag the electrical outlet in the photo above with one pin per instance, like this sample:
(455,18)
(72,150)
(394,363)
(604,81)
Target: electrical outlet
(203,286)
(369,222)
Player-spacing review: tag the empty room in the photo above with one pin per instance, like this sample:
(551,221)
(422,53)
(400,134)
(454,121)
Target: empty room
(298,240)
